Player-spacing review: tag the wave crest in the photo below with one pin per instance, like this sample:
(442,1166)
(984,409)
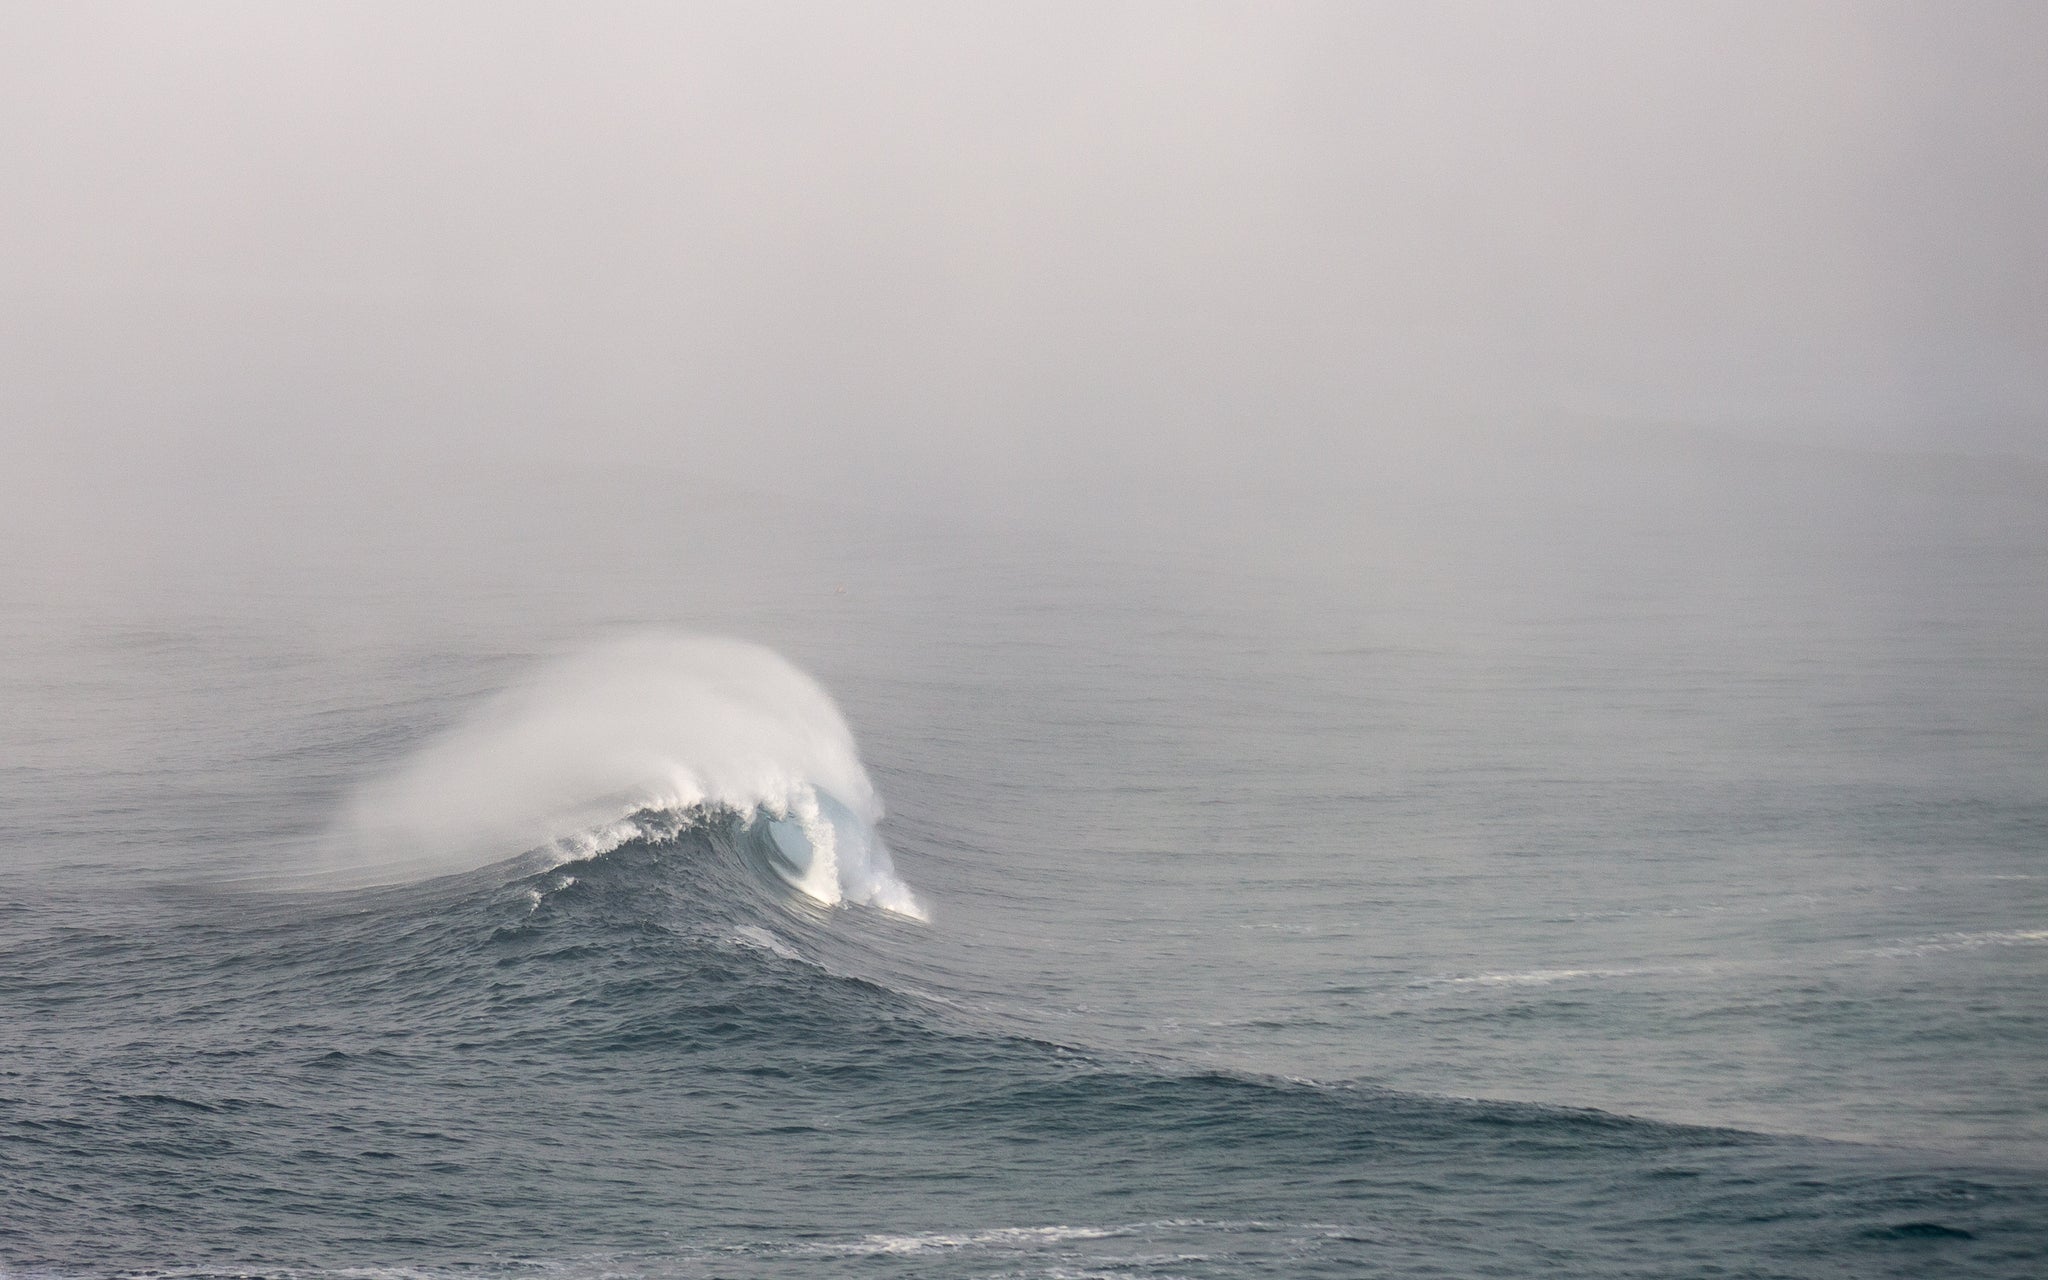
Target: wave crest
(635,740)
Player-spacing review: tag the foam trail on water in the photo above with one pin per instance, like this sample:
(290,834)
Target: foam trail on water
(629,740)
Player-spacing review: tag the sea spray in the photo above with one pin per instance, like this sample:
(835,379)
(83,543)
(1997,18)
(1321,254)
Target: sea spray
(629,740)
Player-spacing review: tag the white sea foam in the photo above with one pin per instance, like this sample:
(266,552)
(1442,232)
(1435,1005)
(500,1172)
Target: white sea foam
(627,741)
(1533,977)
(1943,943)
(949,1241)
(1024,1240)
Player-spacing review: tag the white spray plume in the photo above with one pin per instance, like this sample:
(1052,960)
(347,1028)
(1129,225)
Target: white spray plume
(656,722)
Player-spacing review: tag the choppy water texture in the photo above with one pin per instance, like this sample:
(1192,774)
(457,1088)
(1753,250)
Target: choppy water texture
(1601,900)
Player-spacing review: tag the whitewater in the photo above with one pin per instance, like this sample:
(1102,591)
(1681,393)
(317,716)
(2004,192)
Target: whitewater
(631,740)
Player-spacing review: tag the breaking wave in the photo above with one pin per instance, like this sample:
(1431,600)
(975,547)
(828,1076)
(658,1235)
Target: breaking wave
(635,740)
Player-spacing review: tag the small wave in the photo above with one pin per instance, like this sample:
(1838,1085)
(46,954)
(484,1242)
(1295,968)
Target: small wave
(760,939)
(537,894)
(945,1241)
(1532,977)
(1940,944)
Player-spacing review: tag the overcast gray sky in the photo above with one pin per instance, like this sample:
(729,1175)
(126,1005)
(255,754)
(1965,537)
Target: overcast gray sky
(924,245)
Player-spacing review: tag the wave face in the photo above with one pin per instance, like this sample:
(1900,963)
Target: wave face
(656,1061)
(635,740)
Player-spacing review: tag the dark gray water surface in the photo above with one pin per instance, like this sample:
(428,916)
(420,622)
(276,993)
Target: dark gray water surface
(1647,882)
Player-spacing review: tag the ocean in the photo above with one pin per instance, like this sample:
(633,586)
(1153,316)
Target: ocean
(1632,870)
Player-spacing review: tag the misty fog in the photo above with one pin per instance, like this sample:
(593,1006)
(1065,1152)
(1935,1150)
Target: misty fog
(525,320)
(343,275)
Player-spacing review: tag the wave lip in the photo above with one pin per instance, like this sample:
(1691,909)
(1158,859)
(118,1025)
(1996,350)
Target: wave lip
(630,740)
